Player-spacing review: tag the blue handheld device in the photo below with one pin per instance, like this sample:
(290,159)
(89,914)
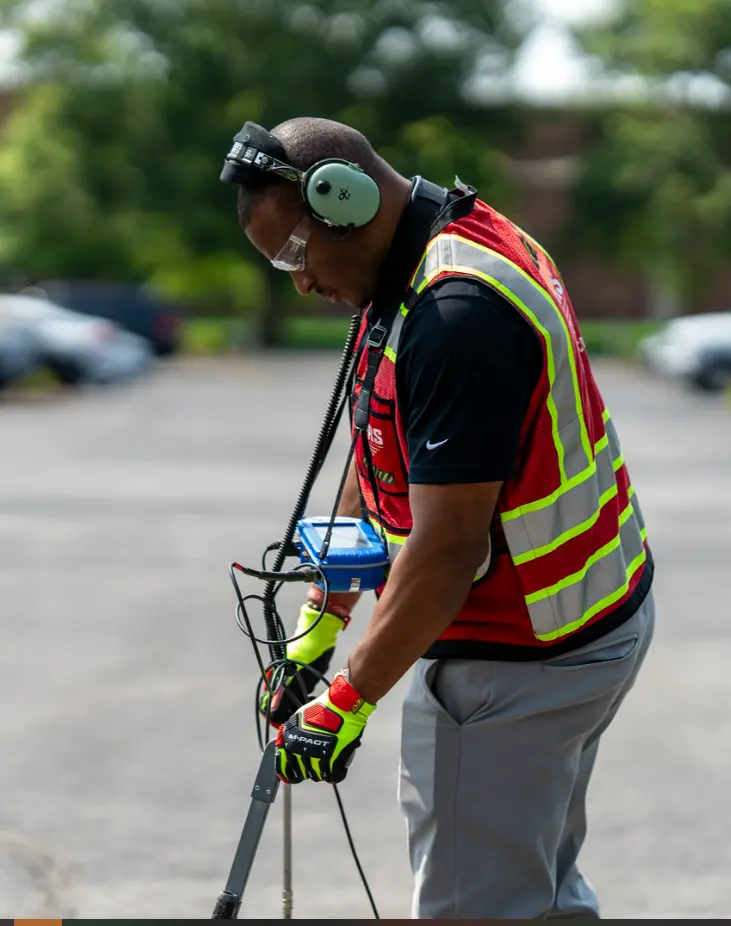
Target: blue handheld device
(355,560)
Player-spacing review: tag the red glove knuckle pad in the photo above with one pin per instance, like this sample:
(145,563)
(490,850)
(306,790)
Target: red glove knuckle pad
(317,715)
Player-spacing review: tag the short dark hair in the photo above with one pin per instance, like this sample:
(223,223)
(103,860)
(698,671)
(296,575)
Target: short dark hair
(249,197)
(307,140)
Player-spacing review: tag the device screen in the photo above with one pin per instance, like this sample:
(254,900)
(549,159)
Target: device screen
(350,537)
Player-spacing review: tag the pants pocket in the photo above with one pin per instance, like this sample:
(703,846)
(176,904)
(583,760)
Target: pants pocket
(457,689)
(603,653)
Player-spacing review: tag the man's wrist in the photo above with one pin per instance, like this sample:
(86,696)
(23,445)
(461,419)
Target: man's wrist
(347,674)
(316,599)
(345,696)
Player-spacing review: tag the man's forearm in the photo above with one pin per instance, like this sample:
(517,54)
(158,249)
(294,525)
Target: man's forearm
(349,507)
(426,589)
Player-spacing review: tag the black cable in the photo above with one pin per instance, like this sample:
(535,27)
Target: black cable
(273,675)
(247,631)
(322,446)
(281,666)
(355,854)
(325,546)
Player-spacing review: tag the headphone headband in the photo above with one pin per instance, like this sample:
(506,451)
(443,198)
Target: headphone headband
(254,153)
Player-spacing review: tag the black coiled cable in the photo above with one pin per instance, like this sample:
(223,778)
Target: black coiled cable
(322,446)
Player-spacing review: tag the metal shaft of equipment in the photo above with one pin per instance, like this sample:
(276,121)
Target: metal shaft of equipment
(287,870)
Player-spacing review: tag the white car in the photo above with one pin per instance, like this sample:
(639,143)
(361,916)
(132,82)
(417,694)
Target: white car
(18,352)
(695,349)
(78,348)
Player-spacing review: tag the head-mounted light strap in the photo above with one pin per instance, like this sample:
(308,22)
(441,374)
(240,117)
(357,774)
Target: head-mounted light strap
(255,153)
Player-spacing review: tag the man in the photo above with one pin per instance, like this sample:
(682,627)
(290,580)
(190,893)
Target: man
(519,586)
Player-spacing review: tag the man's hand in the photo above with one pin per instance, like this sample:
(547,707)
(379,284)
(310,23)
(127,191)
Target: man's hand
(315,649)
(320,740)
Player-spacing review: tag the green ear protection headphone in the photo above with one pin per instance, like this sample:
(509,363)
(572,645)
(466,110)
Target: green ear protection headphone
(336,192)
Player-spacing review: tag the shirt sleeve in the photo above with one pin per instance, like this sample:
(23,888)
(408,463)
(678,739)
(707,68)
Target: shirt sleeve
(467,366)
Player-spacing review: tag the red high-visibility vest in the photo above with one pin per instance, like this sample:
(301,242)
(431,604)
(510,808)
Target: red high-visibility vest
(568,540)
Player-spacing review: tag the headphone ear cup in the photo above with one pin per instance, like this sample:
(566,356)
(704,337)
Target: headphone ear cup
(340,193)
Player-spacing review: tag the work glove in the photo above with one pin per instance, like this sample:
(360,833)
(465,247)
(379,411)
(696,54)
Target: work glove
(319,741)
(314,649)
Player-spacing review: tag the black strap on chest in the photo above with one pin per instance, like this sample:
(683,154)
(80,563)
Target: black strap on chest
(430,209)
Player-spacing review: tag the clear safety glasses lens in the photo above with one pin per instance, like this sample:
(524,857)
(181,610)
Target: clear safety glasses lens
(292,255)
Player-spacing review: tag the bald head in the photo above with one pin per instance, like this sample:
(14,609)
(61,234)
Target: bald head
(343,268)
(307,140)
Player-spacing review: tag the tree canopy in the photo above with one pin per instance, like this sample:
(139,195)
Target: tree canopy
(655,193)
(110,164)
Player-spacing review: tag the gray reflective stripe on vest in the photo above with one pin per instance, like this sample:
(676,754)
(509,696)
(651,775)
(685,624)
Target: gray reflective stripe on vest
(604,580)
(455,254)
(588,480)
(394,542)
(587,473)
(612,436)
(394,549)
(616,449)
(531,534)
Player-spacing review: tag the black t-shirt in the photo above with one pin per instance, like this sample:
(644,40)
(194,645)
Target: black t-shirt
(467,365)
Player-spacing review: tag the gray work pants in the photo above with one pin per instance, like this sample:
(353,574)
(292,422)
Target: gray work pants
(496,759)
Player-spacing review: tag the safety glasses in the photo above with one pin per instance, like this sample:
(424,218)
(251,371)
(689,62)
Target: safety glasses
(292,255)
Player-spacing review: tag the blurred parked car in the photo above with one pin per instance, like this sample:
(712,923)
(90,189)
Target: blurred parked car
(695,349)
(134,308)
(77,348)
(19,353)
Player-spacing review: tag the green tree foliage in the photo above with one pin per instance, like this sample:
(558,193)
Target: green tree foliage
(666,37)
(109,167)
(655,192)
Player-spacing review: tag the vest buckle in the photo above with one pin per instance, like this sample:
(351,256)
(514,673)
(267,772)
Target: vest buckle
(377,335)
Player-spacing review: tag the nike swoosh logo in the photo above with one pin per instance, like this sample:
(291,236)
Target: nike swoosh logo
(430,446)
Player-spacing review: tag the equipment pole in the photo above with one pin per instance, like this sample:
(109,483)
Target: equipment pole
(287,883)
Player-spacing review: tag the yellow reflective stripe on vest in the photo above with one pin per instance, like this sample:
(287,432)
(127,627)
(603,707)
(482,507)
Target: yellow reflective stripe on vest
(610,438)
(455,254)
(536,533)
(395,334)
(587,474)
(533,532)
(394,542)
(603,580)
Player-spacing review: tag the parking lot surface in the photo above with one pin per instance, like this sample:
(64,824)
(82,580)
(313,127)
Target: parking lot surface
(127,728)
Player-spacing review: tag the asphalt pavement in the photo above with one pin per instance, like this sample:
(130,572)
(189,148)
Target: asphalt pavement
(127,726)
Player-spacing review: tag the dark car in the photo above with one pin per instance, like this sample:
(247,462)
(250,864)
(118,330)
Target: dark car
(131,306)
(76,348)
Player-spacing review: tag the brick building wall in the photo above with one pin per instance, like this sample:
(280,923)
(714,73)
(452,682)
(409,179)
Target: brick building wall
(545,163)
